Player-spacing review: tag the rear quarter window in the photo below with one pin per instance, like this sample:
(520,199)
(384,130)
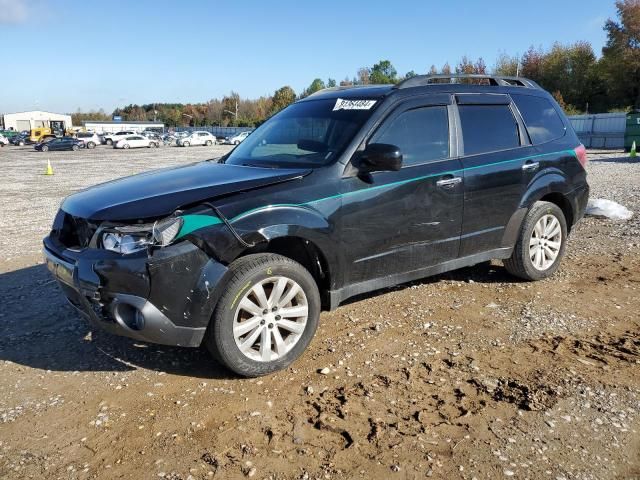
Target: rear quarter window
(540,118)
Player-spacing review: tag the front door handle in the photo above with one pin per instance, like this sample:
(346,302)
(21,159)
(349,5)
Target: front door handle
(448,182)
(530,166)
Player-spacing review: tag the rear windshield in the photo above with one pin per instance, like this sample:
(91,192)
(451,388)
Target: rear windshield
(305,134)
(540,117)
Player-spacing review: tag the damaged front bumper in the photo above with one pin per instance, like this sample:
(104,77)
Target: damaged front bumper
(166,297)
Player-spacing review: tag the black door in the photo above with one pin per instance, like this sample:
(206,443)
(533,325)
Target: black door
(395,222)
(498,162)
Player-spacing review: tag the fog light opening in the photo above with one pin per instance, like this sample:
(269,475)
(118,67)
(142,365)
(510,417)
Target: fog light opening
(129,316)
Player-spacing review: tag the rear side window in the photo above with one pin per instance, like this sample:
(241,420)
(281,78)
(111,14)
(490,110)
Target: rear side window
(541,119)
(488,128)
(421,134)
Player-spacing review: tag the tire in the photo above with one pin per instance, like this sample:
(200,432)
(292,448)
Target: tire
(21,144)
(45,148)
(75,148)
(91,145)
(522,262)
(126,146)
(208,143)
(185,144)
(236,142)
(109,141)
(248,273)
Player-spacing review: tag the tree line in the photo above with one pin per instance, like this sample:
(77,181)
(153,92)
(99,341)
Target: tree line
(578,79)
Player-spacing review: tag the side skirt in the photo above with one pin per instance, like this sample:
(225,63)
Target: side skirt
(338,296)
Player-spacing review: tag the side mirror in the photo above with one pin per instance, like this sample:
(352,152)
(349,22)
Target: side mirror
(380,157)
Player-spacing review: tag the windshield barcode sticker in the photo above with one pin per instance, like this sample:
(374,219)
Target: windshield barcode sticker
(342,104)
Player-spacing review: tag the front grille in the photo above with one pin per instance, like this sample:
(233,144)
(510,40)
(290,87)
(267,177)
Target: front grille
(76,232)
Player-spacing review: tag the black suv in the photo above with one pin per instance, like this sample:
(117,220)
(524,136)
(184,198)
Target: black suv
(346,191)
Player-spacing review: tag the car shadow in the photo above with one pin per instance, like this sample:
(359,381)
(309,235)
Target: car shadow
(41,330)
(626,159)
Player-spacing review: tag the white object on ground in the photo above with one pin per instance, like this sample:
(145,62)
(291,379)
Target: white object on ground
(599,207)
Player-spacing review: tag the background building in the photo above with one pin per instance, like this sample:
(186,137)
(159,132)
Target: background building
(36,119)
(117,126)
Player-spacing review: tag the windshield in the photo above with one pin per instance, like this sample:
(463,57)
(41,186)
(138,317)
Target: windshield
(305,134)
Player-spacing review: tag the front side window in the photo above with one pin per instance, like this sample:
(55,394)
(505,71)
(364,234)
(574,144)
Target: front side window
(422,134)
(311,133)
(541,119)
(488,128)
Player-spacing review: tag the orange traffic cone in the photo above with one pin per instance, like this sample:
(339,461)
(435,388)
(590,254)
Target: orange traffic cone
(49,168)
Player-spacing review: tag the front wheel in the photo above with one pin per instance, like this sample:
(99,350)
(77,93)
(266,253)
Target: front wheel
(267,316)
(541,243)
(185,144)
(45,148)
(126,146)
(91,145)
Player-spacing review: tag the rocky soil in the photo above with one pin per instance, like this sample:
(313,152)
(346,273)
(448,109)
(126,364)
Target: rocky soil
(470,374)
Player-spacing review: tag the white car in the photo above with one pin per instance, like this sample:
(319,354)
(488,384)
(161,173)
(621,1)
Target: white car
(91,140)
(112,138)
(236,139)
(197,138)
(135,141)
(3,141)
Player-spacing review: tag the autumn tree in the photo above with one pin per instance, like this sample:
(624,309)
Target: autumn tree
(282,98)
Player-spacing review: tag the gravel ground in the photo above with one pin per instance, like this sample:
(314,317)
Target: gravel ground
(465,375)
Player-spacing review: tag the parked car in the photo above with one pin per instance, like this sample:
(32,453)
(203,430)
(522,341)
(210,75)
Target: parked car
(9,134)
(343,192)
(64,143)
(21,140)
(90,139)
(236,139)
(196,138)
(111,138)
(3,140)
(136,141)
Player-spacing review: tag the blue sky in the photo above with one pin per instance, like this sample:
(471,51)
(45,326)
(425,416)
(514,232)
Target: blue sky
(62,55)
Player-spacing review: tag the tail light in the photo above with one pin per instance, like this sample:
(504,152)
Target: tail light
(581,155)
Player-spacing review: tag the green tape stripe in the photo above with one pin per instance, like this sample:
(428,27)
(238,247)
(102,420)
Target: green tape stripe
(196,222)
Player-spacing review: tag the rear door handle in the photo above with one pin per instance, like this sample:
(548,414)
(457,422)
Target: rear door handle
(448,182)
(531,166)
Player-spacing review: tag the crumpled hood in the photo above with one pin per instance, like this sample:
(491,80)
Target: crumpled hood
(161,192)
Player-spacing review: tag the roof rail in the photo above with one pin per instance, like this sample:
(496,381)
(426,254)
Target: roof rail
(493,80)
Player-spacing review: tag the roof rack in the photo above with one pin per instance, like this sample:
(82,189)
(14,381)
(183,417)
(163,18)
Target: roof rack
(493,80)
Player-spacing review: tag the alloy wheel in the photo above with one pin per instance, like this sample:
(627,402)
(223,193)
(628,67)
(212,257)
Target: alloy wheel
(545,242)
(270,319)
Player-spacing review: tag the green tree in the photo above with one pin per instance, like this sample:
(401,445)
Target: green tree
(282,98)
(620,63)
(315,86)
(383,72)
(331,82)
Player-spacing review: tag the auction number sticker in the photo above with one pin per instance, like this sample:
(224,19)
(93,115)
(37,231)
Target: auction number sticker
(342,104)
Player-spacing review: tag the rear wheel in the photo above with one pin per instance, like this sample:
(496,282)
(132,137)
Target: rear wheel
(541,243)
(91,145)
(267,316)
(208,143)
(75,148)
(109,141)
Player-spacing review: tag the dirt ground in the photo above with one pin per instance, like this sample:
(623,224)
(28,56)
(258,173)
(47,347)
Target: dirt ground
(470,374)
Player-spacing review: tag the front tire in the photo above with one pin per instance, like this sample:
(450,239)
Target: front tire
(45,148)
(267,316)
(91,145)
(541,243)
(126,146)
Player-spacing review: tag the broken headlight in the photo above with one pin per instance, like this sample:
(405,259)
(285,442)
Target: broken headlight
(134,238)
